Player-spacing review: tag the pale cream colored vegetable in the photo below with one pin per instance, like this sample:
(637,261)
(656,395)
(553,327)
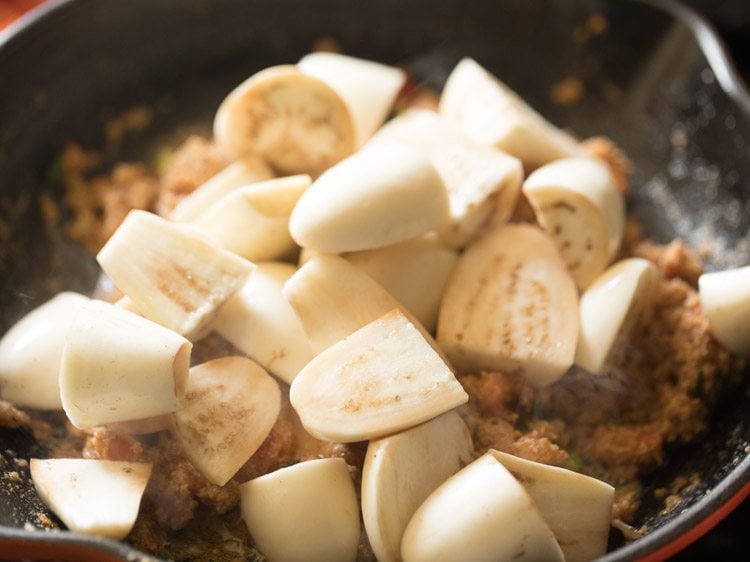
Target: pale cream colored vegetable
(480,514)
(229,408)
(307,511)
(383,378)
(146,425)
(490,113)
(415,272)
(609,309)
(173,276)
(259,321)
(117,366)
(246,170)
(294,121)
(95,497)
(578,203)
(382,195)
(725,298)
(253,221)
(482,181)
(278,271)
(401,470)
(368,88)
(30,353)
(577,508)
(511,305)
(306,254)
(334,299)
(126,303)
(143,426)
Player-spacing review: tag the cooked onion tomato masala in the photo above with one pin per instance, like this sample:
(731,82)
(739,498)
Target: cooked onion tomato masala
(368,321)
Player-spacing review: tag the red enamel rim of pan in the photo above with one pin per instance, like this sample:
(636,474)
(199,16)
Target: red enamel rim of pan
(692,535)
(10,10)
(23,548)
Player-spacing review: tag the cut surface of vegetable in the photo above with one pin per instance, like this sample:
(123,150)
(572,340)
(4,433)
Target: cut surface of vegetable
(511,305)
(415,272)
(253,221)
(368,88)
(117,366)
(402,470)
(95,497)
(294,121)
(382,379)
(307,511)
(246,170)
(577,508)
(277,271)
(333,299)
(490,113)
(577,202)
(259,321)
(481,514)
(229,408)
(609,309)
(483,182)
(725,298)
(31,350)
(143,426)
(382,195)
(173,276)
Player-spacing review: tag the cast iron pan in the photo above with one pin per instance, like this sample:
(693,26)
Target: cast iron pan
(69,66)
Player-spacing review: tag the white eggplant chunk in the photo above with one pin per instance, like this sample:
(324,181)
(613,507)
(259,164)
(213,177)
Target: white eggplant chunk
(511,305)
(382,379)
(297,123)
(94,497)
(480,514)
(229,408)
(609,309)
(725,298)
(576,200)
(260,322)
(143,426)
(483,182)
(368,88)
(31,350)
(306,254)
(307,511)
(277,271)
(253,221)
(333,299)
(246,170)
(117,366)
(577,508)
(384,194)
(402,470)
(415,272)
(172,275)
(490,113)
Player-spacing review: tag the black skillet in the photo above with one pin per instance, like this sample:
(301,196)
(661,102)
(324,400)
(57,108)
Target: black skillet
(656,81)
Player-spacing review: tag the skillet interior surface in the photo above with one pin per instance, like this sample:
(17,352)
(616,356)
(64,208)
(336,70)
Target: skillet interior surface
(647,86)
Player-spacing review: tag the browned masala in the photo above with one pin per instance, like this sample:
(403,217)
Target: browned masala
(99,204)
